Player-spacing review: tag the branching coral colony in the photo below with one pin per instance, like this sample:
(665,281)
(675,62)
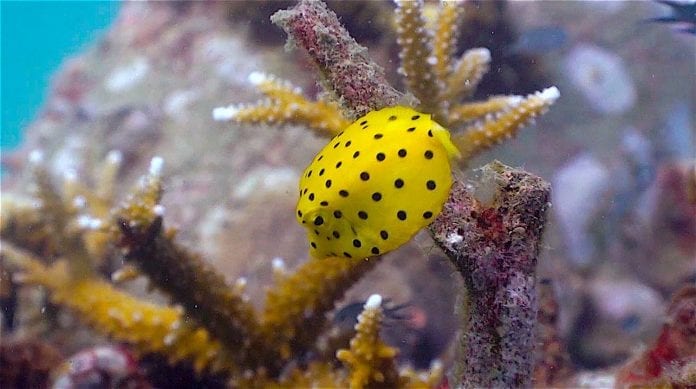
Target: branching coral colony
(209,324)
(434,77)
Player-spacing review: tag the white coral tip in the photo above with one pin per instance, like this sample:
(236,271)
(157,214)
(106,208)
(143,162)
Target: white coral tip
(256,78)
(89,223)
(158,210)
(550,94)
(222,114)
(114,157)
(241,282)
(36,157)
(79,202)
(278,264)
(483,53)
(156,165)
(373,302)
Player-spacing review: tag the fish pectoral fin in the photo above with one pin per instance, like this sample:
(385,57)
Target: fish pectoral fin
(441,134)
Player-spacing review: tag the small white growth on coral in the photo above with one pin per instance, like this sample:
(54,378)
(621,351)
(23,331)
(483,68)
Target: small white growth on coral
(241,283)
(79,202)
(88,222)
(158,210)
(169,339)
(114,157)
(113,313)
(256,78)
(156,165)
(550,95)
(223,114)
(278,264)
(137,316)
(454,238)
(373,302)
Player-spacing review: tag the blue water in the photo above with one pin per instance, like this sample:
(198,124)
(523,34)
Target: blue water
(36,37)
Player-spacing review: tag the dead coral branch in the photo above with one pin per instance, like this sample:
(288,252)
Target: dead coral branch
(343,64)
(494,241)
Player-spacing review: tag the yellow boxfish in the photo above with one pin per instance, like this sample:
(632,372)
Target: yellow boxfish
(376,184)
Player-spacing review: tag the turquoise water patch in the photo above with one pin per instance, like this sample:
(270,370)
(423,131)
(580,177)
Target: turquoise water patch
(36,37)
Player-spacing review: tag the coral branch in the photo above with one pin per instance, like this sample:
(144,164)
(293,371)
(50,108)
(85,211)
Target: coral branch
(494,241)
(188,279)
(344,65)
(446,35)
(371,362)
(61,216)
(285,105)
(416,63)
(466,112)
(295,309)
(150,328)
(505,124)
(467,74)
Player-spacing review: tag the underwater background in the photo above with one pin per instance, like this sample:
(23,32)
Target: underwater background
(149,226)
(36,37)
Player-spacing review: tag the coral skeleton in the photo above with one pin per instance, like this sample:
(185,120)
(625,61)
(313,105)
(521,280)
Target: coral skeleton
(497,258)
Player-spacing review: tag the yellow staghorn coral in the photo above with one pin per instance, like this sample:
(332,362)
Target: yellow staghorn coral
(467,112)
(370,361)
(295,309)
(210,325)
(66,218)
(148,327)
(445,37)
(466,74)
(503,125)
(416,64)
(177,272)
(285,105)
(430,68)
